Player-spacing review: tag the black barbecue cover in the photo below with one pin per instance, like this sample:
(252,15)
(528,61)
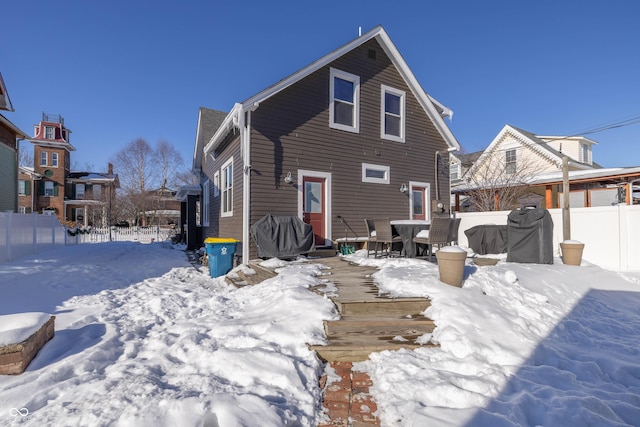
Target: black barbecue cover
(530,236)
(282,236)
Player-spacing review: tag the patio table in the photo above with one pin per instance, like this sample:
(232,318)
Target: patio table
(407,229)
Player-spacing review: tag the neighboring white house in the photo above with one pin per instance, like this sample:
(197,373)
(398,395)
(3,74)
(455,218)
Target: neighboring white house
(517,150)
(520,159)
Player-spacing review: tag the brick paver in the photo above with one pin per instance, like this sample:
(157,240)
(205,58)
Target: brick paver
(347,401)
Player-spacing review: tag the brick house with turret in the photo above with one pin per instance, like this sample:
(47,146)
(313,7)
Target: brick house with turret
(51,187)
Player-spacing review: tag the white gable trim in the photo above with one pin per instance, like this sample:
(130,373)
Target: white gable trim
(523,140)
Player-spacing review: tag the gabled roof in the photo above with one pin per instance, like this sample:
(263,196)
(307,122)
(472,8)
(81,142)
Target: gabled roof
(208,123)
(435,110)
(533,142)
(7,123)
(5,102)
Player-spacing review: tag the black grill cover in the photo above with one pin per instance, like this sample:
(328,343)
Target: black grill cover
(487,239)
(530,236)
(282,236)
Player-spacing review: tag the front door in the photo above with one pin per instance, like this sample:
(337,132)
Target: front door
(419,202)
(313,206)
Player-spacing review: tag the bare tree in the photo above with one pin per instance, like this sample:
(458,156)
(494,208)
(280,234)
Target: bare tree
(169,162)
(25,156)
(498,183)
(135,169)
(134,166)
(145,173)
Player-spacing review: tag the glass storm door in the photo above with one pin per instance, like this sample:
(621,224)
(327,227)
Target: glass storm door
(314,209)
(419,203)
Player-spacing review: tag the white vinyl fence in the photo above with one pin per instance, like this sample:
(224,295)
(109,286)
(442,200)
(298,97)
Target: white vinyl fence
(27,234)
(611,234)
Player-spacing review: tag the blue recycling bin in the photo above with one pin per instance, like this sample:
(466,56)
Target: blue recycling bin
(220,252)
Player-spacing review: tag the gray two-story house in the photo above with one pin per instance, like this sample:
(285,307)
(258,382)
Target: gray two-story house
(351,136)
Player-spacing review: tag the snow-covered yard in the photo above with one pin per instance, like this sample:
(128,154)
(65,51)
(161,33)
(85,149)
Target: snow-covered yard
(145,339)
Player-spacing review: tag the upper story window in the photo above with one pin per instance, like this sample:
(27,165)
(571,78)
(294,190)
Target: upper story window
(585,153)
(49,132)
(43,158)
(510,161)
(344,104)
(454,171)
(97,191)
(54,160)
(79,191)
(375,173)
(392,120)
(227,188)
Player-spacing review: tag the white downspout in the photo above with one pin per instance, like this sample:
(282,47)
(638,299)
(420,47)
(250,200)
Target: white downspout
(246,182)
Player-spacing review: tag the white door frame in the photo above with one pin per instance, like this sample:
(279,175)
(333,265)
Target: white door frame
(327,199)
(427,197)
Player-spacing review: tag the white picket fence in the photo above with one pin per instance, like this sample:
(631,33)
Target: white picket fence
(124,234)
(27,234)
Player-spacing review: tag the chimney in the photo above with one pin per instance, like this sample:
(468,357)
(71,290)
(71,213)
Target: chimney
(110,171)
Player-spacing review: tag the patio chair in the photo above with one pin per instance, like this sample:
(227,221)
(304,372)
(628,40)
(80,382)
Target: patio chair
(438,236)
(384,235)
(371,234)
(454,225)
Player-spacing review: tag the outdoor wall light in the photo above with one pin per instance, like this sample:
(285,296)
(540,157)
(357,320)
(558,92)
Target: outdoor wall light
(403,188)
(288,179)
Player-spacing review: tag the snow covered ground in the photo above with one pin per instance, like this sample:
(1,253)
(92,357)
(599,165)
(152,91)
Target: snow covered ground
(145,339)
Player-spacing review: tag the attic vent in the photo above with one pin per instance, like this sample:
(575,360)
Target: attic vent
(371,54)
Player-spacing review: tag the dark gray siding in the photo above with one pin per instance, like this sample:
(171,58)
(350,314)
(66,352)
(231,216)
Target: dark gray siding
(290,131)
(225,226)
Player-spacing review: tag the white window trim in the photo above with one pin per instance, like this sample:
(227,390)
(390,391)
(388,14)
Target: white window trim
(515,162)
(83,192)
(22,187)
(54,160)
(222,190)
(385,169)
(205,203)
(45,157)
(356,100)
(383,134)
(53,132)
(586,151)
(216,184)
(49,184)
(457,167)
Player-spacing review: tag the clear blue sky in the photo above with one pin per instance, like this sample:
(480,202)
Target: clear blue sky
(118,70)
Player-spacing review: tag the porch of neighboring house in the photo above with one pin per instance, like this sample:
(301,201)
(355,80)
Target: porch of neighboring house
(592,188)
